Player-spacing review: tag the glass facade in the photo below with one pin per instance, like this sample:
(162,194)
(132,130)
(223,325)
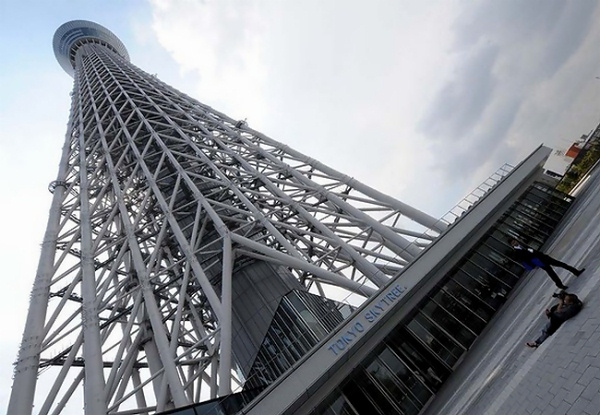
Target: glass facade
(410,365)
(301,321)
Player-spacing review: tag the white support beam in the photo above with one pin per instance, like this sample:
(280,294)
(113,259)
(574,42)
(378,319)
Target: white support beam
(26,366)
(313,269)
(226,319)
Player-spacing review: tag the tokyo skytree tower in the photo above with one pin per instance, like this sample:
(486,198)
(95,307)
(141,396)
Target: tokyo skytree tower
(174,232)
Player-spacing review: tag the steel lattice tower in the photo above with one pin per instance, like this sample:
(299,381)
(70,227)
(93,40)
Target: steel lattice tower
(160,206)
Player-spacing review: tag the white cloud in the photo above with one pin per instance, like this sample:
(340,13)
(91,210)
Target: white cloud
(524,69)
(341,84)
(221,44)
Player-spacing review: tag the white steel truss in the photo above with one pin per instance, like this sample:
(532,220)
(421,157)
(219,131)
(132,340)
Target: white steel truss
(158,200)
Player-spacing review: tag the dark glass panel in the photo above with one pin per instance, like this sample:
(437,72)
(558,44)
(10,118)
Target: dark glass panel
(393,387)
(465,315)
(365,397)
(559,205)
(417,355)
(448,350)
(504,257)
(550,200)
(469,299)
(335,404)
(481,287)
(513,229)
(559,197)
(190,411)
(418,392)
(543,204)
(535,220)
(449,323)
(480,258)
(300,307)
(476,270)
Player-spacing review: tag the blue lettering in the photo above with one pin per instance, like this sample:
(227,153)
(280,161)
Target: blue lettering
(397,290)
(351,334)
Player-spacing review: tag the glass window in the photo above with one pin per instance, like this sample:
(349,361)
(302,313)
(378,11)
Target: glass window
(213,408)
(415,385)
(436,340)
(534,220)
(484,261)
(461,311)
(469,299)
(339,406)
(501,253)
(450,323)
(190,411)
(539,214)
(365,397)
(422,361)
(557,197)
(481,287)
(541,205)
(513,229)
(559,205)
(476,270)
(394,389)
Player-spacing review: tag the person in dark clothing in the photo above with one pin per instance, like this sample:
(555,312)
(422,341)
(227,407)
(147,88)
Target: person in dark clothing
(530,259)
(568,306)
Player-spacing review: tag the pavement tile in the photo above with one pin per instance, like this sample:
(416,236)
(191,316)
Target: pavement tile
(593,407)
(590,373)
(572,381)
(562,409)
(558,398)
(574,393)
(592,389)
(578,407)
(558,392)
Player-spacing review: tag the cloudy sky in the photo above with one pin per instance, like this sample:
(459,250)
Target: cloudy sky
(422,100)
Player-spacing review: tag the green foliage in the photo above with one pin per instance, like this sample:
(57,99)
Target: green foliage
(577,171)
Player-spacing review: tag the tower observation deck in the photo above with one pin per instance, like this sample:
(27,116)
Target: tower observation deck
(176,235)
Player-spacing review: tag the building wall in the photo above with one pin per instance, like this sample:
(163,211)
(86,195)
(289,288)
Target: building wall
(405,371)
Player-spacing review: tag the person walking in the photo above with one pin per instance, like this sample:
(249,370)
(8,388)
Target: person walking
(531,259)
(568,306)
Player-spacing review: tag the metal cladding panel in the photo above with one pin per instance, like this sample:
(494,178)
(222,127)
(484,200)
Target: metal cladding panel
(257,291)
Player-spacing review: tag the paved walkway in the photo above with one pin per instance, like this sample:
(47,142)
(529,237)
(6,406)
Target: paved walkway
(500,375)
